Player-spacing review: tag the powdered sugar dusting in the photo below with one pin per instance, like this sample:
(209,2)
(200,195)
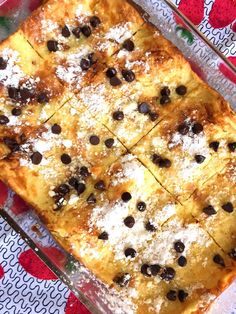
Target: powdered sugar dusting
(161,251)
(120,32)
(12,75)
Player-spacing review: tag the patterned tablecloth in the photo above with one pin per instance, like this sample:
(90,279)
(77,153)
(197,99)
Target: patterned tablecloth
(27,286)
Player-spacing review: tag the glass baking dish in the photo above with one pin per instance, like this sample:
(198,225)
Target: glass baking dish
(210,64)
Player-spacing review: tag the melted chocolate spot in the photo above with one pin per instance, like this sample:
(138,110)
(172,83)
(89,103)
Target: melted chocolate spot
(11,144)
(111,72)
(182,261)
(122,280)
(91,199)
(3,64)
(155,269)
(165,100)
(128,45)
(209,210)
(65,32)
(183,128)
(100,185)
(150,227)
(232,147)
(144,108)
(65,159)
(232,254)
(94,140)
(165,91)
(145,270)
(76,32)
(115,81)
(218,259)
(4,120)
(103,236)
(86,30)
(84,172)
(129,252)
(182,295)
(168,274)
(141,206)
(153,116)
(181,90)
(126,197)
(199,159)
(52,45)
(36,158)
(85,64)
(109,142)
(95,21)
(228,207)
(179,246)
(129,221)
(214,145)
(128,75)
(16,112)
(171,295)
(81,187)
(118,115)
(197,128)
(42,98)
(56,129)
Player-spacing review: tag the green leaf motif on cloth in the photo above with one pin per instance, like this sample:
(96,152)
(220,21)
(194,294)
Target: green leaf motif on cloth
(185,34)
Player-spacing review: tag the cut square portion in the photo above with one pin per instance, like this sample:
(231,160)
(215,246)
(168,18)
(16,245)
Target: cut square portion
(54,166)
(152,250)
(214,205)
(29,92)
(189,145)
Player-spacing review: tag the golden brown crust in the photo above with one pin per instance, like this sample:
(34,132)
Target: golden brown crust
(70,162)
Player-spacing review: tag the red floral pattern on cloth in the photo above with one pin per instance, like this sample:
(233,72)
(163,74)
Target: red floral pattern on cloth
(17,261)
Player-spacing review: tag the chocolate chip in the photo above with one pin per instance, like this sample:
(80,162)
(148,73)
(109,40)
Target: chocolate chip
(65,32)
(232,254)
(13,93)
(181,90)
(126,197)
(179,246)
(59,203)
(62,189)
(214,145)
(81,187)
(100,185)
(128,45)
(130,252)
(36,158)
(92,58)
(73,182)
(128,75)
(118,115)
(42,98)
(145,270)
(25,94)
(168,274)
(111,72)
(165,100)
(209,210)
(218,259)
(109,142)
(171,295)
(86,30)
(182,261)
(141,206)
(84,172)
(3,120)
(16,112)
(56,129)
(232,146)
(183,128)
(94,140)
(115,81)
(228,207)
(144,108)
(153,116)
(129,221)
(165,91)
(65,159)
(11,144)
(52,45)
(95,21)
(164,163)
(3,64)
(182,295)
(156,159)
(155,269)
(103,236)
(197,128)
(76,32)
(91,199)
(85,64)
(122,280)
(150,227)
(199,159)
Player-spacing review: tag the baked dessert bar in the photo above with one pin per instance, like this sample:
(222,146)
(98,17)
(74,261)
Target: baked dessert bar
(30,93)
(214,206)
(144,243)
(123,151)
(54,165)
(182,147)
